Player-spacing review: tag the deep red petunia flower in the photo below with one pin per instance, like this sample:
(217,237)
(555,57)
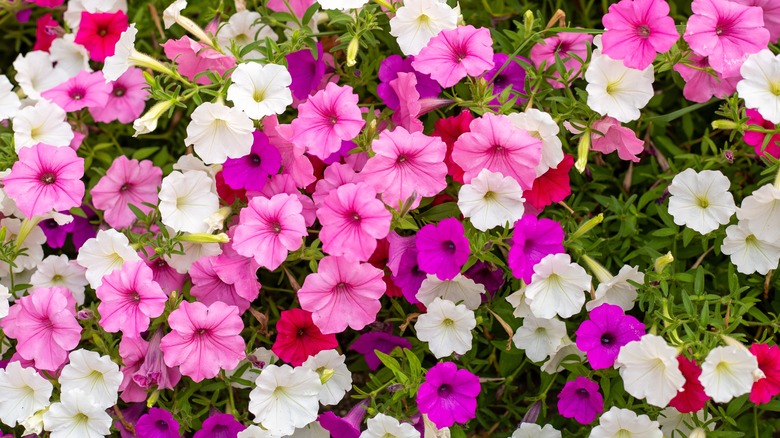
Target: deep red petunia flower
(99,33)
(449,129)
(298,337)
(553,186)
(769,363)
(692,397)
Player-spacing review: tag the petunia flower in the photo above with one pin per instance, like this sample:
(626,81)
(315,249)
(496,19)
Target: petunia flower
(368,343)
(701,201)
(129,298)
(24,393)
(102,254)
(532,430)
(98,375)
(187,200)
(126,98)
(45,32)
(455,54)
(448,395)
(759,84)
(218,132)
(306,71)
(768,357)
(442,249)
(100,32)
(605,332)
(126,182)
(157,423)
(446,327)
(691,398)
(81,91)
(490,200)
(637,30)
(539,337)
(382,426)
(580,399)
(152,372)
(260,90)
(702,83)
(78,416)
(44,123)
(625,423)
(458,290)
(609,135)
(238,287)
(771,12)
(649,370)
(9,101)
(243,28)
(761,212)
(617,290)
(71,57)
(532,240)
(728,372)
(219,425)
(749,253)
(390,68)
(417,21)
(285,398)
(554,185)
(557,287)
(507,73)
(36,73)
(757,139)
(193,58)
(252,171)
(571,48)
(298,337)
(331,363)
(674,423)
(541,125)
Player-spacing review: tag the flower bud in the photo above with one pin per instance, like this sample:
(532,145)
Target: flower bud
(724,124)
(661,262)
(205,238)
(582,151)
(528,21)
(698,433)
(148,122)
(352,51)
(587,226)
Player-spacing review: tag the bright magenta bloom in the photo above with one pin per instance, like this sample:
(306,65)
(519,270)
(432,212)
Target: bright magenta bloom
(454,54)
(700,85)
(495,144)
(449,395)
(342,293)
(129,298)
(46,178)
(769,363)
(406,164)
(352,220)
(580,399)
(193,57)
(204,339)
(727,32)
(85,90)
(326,119)
(604,333)
(571,48)
(756,139)
(637,30)
(44,326)
(126,182)
(442,249)
(298,337)
(126,100)
(268,228)
(100,32)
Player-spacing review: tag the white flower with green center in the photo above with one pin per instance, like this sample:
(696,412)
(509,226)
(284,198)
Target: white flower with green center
(617,290)
(491,200)
(77,416)
(43,123)
(260,90)
(761,210)
(59,271)
(728,372)
(701,201)
(760,84)
(36,73)
(23,391)
(749,253)
(417,21)
(104,253)
(285,398)
(531,430)
(540,338)
(334,375)
(650,371)
(459,289)
(557,287)
(98,376)
(446,328)
(243,28)
(385,426)
(624,423)
(218,132)
(187,201)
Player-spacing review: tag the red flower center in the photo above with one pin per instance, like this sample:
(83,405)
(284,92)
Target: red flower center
(643,31)
(48,178)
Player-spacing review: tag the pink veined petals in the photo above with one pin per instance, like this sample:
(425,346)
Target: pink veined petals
(637,30)
(127,182)
(85,90)
(454,54)
(129,298)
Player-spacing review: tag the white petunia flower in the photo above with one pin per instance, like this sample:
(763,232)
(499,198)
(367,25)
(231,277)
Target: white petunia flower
(624,423)
(35,73)
(69,56)
(539,337)
(519,303)
(32,245)
(562,355)
(147,122)
(244,27)
(417,21)
(617,290)
(342,4)
(5,296)
(761,210)
(59,271)
(701,201)
(218,132)
(285,398)
(749,253)
(385,426)
(77,416)
(557,287)
(173,12)
(675,424)
(98,376)
(123,58)
(9,101)
(531,430)
(542,126)
(260,90)
(491,200)
(33,425)
(104,253)
(459,289)
(446,328)
(650,370)
(329,365)
(23,391)
(187,201)
(616,90)
(760,84)
(44,122)
(727,372)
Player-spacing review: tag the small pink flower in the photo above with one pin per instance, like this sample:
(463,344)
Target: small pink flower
(334,176)
(409,107)
(342,293)
(299,7)
(326,119)
(294,161)
(571,48)
(756,139)
(85,90)
(268,228)
(700,84)
(126,182)
(204,339)
(616,137)
(285,183)
(129,299)
(236,290)
(46,178)
(132,352)
(100,32)
(153,372)
(454,54)
(637,30)
(126,99)
(193,57)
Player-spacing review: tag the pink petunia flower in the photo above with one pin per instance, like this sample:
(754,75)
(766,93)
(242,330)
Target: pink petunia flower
(637,30)
(298,337)
(570,47)
(126,100)
(129,299)
(251,171)
(46,178)
(692,397)
(236,290)
(163,273)
(44,326)
(193,57)
(342,293)
(298,6)
(352,220)
(132,352)
(409,107)
(726,32)
(284,183)
(46,29)
(756,139)
(771,10)
(700,83)
(85,90)
(204,340)
(454,54)
(268,228)
(406,164)
(769,363)
(616,137)
(294,161)
(100,32)
(334,176)
(153,372)
(326,119)
(126,182)
(494,143)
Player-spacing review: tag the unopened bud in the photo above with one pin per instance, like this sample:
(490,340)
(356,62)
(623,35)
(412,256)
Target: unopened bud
(205,238)
(724,124)
(582,151)
(352,51)
(528,21)
(587,226)
(661,262)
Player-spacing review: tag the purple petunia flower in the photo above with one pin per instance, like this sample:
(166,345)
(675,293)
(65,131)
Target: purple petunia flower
(158,423)
(580,399)
(442,249)
(532,240)
(252,171)
(306,71)
(388,71)
(487,274)
(449,395)
(367,343)
(56,233)
(219,426)
(346,427)
(409,276)
(607,330)
(513,75)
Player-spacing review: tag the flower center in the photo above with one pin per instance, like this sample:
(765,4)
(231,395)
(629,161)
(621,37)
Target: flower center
(401,159)
(448,246)
(774,88)
(48,178)
(355,216)
(125,187)
(202,331)
(301,332)
(120,91)
(102,31)
(607,339)
(340,287)
(256,160)
(76,93)
(623,433)
(277,227)
(51,223)
(258,95)
(703,201)
(333,120)
(643,31)
(162,425)
(582,393)
(136,297)
(445,390)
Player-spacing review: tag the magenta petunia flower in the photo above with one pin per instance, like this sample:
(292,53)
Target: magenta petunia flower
(268,228)
(406,164)
(768,358)
(532,240)
(126,182)
(442,249)
(352,220)
(126,99)
(342,293)
(454,54)
(208,286)
(347,427)
(45,32)
(570,47)
(85,90)
(580,399)
(218,426)
(193,57)
(46,178)
(389,69)
(129,299)
(204,339)
(726,32)
(692,397)
(158,423)
(603,334)
(507,73)
(368,343)
(637,30)
(100,32)
(252,171)
(449,395)
(756,139)
(494,143)
(298,337)
(298,6)
(306,71)
(56,233)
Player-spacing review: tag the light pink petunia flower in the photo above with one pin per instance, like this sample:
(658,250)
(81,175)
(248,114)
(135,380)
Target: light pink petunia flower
(700,84)
(129,299)
(209,287)
(571,48)
(294,161)
(127,98)
(637,30)
(85,90)
(46,178)
(771,10)
(342,293)
(616,137)
(126,182)
(193,58)
(352,220)
(204,339)
(494,143)
(454,54)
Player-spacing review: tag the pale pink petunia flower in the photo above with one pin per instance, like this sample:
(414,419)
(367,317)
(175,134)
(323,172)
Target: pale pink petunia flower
(126,100)
(726,32)
(132,351)
(637,30)
(612,136)
(335,176)
(570,47)
(126,182)
(771,10)
(494,143)
(194,58)
(342,293)
(46,178)
(85,90)
(129,298)
(204,339)
(208,286)
(285,183)
(326,119)
(454,54)
(700,84)
(269,228)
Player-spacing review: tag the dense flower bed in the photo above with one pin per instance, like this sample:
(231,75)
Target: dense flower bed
(376,219)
